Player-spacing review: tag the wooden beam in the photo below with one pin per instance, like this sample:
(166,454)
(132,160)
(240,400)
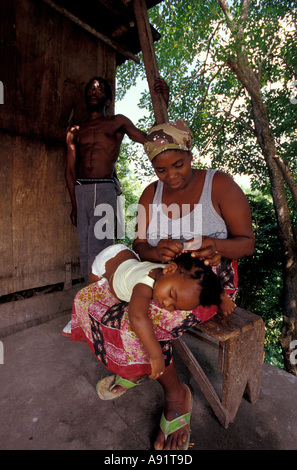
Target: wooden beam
(120,49)
(149,58)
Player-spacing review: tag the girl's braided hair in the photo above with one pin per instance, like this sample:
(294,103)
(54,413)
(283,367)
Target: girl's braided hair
(194,268)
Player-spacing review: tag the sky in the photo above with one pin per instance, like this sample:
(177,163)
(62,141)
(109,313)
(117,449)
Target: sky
(129,107)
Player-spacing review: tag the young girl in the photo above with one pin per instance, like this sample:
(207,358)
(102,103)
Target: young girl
(182,284)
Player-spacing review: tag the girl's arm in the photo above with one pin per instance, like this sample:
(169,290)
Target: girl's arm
(92,278)
(143,327)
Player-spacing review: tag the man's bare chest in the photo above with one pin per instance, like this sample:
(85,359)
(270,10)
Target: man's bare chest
(94,133)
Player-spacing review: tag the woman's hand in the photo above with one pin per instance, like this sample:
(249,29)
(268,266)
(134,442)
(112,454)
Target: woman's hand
(208,251)
(158,367)
(168,249)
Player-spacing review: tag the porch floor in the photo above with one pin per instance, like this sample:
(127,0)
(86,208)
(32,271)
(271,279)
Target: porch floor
(48,401)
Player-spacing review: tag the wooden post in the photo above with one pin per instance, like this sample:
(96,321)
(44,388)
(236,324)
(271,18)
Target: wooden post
(149,59)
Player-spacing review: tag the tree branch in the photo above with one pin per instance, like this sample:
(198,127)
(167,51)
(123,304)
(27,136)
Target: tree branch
(206,92)
(245,11)
(243,123)
(165,9)
(228,113)
(289,178)
(202,73)
(227,12)
(265,57)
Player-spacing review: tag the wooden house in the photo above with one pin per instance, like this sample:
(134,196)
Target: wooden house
(48,52)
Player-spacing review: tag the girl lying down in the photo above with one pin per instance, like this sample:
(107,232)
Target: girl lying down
(182,284)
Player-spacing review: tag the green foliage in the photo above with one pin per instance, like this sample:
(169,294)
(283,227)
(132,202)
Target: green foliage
(192,55)
(129,179)
(131,186)
(260,276)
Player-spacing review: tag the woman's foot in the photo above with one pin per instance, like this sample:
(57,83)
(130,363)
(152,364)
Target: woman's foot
(175,406)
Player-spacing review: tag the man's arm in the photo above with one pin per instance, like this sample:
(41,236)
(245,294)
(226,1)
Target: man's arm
(70,173)
(136,134)
(132,132)
(162,87)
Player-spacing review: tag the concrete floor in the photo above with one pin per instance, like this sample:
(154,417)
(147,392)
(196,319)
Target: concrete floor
(48,402)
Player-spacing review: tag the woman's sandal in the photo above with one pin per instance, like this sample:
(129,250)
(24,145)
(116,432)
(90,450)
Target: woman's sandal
(169,427)
(105,386)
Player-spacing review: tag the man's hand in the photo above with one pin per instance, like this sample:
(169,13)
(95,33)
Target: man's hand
(162,87)
(73,216)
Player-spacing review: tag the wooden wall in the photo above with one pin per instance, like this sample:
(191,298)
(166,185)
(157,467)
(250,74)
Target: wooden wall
(45,62)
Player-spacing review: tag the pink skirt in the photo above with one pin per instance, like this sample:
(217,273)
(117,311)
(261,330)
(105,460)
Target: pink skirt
(100,320)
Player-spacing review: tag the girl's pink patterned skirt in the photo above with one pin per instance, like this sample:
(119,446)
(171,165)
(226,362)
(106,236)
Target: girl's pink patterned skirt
(100,320)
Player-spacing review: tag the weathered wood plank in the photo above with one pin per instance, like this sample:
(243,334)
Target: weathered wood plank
(149,58)
(121,49)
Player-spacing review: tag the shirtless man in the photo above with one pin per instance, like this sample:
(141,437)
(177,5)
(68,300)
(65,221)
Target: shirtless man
(92,151)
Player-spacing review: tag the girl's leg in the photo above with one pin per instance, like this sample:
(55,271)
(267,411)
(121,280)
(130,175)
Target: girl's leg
(121,254)
(177,403)
(227,305)
(104,264)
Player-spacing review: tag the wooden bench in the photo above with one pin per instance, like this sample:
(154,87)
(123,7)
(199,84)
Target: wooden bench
(240,341)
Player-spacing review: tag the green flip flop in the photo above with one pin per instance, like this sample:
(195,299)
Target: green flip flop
(169,427)
(105,386)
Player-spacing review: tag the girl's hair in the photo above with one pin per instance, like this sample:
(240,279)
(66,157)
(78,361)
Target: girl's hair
(194,268)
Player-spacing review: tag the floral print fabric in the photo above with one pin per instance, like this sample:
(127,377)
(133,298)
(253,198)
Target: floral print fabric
(99,319)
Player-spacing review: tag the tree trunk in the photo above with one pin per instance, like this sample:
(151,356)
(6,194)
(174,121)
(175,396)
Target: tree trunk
(265,138)
(289,178)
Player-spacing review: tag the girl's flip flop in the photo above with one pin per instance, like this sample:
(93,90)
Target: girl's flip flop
(105,386)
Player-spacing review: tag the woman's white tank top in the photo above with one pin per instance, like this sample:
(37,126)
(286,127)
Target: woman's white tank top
(202,220)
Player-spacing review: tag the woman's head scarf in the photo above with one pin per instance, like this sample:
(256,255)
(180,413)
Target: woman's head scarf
(168,136)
